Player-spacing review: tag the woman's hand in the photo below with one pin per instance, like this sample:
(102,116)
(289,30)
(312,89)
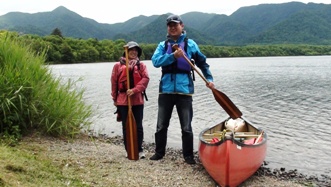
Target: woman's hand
(129,92)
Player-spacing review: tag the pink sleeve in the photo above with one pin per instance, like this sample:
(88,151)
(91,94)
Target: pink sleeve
(143,83)
(113,80)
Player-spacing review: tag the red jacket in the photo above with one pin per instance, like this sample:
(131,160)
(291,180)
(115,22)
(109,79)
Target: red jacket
(120,97)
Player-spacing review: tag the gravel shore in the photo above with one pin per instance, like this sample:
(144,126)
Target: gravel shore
(101,161)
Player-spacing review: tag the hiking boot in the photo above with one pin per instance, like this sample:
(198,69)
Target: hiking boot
(142,155)
(190,160)
(156,157)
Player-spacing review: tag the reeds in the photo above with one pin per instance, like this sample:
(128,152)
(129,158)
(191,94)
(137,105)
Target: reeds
(32,100)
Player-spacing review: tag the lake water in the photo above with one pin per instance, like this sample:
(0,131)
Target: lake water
(288,97)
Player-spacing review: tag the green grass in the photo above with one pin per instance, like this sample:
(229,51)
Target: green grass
(28,166)
(32,100)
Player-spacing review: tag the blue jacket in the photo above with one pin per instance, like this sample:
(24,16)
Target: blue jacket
(179,83)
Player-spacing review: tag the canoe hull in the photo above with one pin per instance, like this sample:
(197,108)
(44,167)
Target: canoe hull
(230,162)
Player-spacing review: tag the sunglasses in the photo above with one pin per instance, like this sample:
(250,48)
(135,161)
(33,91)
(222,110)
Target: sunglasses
(174,19)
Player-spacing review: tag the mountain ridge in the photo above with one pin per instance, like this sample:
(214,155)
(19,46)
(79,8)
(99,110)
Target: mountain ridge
(292,22)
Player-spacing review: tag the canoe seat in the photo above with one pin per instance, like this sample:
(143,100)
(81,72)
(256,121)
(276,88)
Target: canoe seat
(218,134)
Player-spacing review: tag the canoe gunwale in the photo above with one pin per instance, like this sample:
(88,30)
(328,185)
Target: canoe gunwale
(231,138)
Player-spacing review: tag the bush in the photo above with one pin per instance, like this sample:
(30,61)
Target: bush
(31,99)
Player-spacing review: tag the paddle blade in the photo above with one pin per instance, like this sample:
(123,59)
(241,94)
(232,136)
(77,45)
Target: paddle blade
(227,104)
(131,137)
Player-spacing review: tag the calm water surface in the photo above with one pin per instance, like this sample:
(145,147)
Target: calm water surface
(288,97)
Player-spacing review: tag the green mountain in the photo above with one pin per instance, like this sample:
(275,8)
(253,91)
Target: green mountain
(292,22)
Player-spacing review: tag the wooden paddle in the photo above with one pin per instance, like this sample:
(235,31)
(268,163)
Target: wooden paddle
(131,126)
(220,97)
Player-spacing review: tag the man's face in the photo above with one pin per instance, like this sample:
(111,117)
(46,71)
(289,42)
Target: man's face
(175,29)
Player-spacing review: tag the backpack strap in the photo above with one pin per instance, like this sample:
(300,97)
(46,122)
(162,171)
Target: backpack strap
(143,92)
(145,95)
(193,62)
(192,59)
(185,45)
(165,46)
(138,65)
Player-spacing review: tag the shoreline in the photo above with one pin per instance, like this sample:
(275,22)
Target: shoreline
(102,162)
(278,173)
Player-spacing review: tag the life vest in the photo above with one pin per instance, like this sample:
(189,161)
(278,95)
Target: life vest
(180,65)
(135,77)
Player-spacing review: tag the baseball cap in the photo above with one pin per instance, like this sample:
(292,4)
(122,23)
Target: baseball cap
(174,18)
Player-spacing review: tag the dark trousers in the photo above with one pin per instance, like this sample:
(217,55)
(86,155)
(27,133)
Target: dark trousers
(138,113)
(184,109)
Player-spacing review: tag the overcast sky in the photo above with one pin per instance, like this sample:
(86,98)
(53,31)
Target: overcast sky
(104,11)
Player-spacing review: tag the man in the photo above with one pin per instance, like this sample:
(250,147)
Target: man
(176,86)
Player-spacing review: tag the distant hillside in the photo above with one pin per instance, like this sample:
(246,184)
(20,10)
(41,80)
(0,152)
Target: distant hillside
(292,22)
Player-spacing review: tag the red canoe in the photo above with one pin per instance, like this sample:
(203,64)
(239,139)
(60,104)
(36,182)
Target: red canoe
(232,156)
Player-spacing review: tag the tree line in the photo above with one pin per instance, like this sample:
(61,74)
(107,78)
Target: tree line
(66,50)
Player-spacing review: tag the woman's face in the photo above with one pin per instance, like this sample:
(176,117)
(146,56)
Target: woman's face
(133,53)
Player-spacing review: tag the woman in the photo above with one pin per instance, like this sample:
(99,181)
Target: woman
(139,80)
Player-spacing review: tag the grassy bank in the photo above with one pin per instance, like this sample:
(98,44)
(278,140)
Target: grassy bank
(31,99)
(28,166)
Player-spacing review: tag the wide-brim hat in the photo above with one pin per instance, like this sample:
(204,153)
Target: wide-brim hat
(131,45)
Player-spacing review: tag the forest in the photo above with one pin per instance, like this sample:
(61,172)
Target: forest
(67,50)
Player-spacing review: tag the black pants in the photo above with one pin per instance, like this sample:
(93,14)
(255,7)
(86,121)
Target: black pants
(138,112)
(183,105)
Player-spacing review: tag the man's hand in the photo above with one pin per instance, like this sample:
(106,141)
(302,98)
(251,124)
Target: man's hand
(210,85)
(178,53)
